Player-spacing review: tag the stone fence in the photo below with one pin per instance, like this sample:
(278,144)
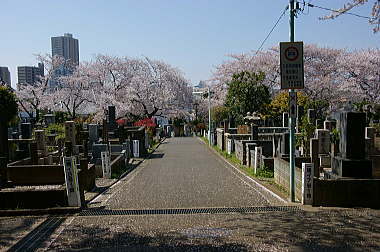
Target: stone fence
(282,175)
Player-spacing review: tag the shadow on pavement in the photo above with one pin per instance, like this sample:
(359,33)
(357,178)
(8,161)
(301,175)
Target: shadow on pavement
(105,239)
(10,228)
(314,231)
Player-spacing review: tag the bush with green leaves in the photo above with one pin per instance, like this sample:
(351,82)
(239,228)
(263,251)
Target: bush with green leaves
(8,105)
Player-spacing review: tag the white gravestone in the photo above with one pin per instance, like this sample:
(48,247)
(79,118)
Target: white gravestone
(229,146)
(258,159)
(72,185)
(106,164)
(136,148)
(307,183)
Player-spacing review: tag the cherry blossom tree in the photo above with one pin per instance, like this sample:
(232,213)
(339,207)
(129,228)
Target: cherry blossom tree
(322,80)
(140,87)
(361,75)
(349,5)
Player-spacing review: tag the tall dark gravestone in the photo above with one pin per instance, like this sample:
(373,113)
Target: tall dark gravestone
(352,135)
(111,118)
(352,162)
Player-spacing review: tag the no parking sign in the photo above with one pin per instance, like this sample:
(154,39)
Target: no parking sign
(291,65)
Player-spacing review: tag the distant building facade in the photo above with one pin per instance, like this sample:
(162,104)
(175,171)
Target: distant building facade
(67,47)
(29,74)
(5,76)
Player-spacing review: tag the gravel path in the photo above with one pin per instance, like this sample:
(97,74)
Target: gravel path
(184,173)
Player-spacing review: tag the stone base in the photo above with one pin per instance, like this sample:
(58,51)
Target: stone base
(354,168)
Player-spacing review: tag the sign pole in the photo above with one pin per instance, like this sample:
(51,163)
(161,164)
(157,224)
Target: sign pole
(292,120)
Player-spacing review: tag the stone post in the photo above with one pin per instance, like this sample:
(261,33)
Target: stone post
(70,132)
(314,155)
(285,119)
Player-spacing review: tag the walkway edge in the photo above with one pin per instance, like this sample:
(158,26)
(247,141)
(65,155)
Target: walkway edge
(245,175)
(125,173)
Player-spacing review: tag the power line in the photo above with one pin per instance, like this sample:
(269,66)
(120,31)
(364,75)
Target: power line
(278,20)
(337,11)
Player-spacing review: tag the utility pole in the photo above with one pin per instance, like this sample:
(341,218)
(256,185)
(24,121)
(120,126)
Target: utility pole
(291,119)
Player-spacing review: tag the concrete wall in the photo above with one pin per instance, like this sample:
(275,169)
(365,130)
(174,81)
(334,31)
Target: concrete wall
(282,174)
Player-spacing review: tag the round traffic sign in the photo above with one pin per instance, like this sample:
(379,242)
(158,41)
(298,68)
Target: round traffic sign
(291,53)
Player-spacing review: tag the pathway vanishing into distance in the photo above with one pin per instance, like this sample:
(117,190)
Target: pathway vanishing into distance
(186,198)
(184,173)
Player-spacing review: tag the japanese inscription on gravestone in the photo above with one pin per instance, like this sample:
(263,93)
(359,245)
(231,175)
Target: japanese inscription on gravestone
(71,177)
(307,183)
(291,65)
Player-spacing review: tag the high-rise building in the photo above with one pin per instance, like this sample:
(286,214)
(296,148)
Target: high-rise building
(5,76)
(29,74)
(66,46)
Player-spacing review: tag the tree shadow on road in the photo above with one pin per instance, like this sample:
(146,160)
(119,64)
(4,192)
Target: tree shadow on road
(338,230)
(11,228)
(106,239)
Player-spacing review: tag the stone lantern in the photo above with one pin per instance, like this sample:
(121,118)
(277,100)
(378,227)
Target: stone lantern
(253,120)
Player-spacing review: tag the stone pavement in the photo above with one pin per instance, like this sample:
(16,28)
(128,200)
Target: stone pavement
(183,173)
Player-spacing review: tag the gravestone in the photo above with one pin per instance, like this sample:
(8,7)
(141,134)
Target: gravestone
(352,135)
(116,148)
(105,132)
(370,141)
(314,155)
(49,119)
(285,119)
(26,130)
(319,124)
(329,125)
(93,133)
(254,132)
(70,132)
(112,118)
(258,164)
(106,164)
(311,116)
(33,153)
(352,162)
(249,158)
(136,148)
(324,142)
(97,149)
(284,148)
(40,140)
(324,161)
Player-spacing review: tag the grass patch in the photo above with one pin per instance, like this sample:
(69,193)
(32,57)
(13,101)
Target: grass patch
(264,173)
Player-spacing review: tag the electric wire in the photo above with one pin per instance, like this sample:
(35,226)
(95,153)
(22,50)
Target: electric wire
(337,11)
(278,20)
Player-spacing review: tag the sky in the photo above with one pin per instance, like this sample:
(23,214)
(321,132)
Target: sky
(192,35)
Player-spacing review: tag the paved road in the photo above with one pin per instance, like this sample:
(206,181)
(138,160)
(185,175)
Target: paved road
(184,173)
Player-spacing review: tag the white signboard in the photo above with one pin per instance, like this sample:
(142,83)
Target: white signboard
(291,65)
(307,183)
(136,148)
(106,164)
(293,104)
(72,185)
